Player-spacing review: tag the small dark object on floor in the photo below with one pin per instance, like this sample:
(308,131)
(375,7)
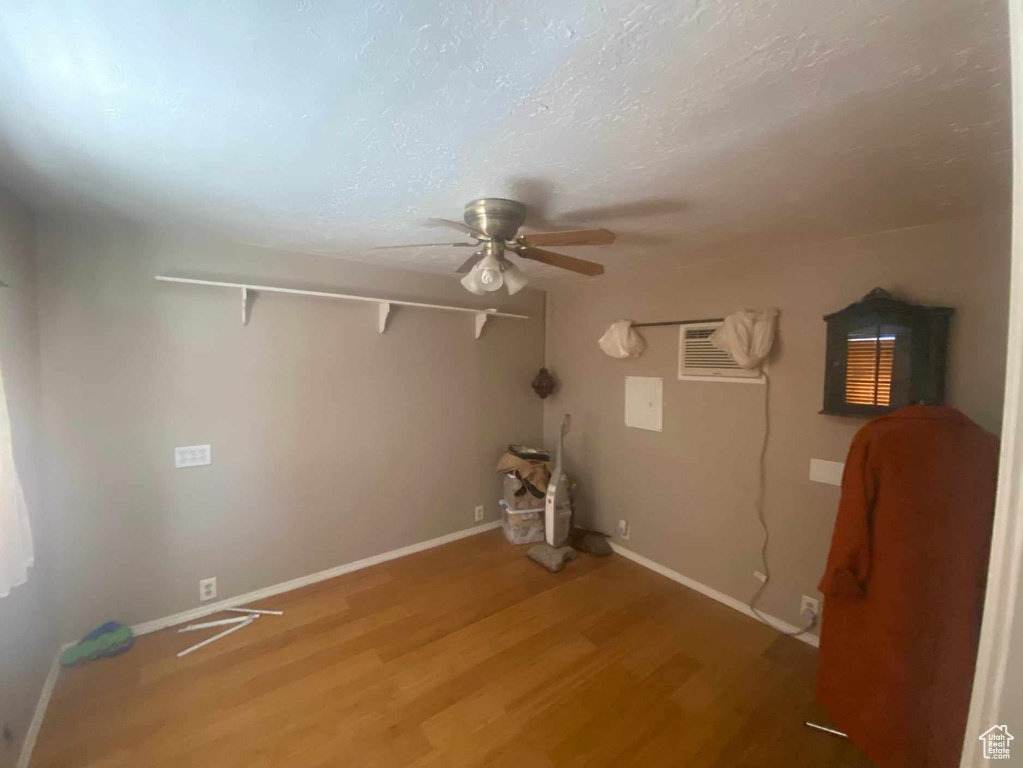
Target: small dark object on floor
(550,558)
(592,542)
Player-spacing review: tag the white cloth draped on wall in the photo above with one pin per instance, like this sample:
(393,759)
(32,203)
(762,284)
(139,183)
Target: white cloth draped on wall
(747,336)
(16,554)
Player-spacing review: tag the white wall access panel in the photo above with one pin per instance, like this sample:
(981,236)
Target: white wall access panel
(644,396)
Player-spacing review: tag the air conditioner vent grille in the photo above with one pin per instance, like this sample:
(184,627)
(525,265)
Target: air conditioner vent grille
(699,358)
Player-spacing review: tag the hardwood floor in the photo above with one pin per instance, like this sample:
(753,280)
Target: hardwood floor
(468,654)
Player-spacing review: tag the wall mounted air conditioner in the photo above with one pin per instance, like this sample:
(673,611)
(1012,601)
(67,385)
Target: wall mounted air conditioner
(699,360)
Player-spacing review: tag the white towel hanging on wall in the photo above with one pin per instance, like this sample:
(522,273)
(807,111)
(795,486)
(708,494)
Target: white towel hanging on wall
(747,336)
(621,341)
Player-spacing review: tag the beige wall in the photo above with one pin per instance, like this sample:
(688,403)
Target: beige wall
(330,442)
(28,637)
(689,491)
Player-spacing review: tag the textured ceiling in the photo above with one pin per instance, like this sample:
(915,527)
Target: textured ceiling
(690,127)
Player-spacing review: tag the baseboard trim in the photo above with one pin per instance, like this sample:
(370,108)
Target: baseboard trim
(40,712)
(712,593)
(303,581)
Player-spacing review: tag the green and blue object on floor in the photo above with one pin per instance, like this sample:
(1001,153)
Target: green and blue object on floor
(109,639)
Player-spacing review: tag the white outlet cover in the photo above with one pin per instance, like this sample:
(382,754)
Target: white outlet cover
(192,456)
(479,513)
(811,604)
(828,472)
(644,398)
(207,589)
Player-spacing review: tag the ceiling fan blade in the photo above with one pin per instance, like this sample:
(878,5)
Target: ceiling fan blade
(456,225)
(470,262)
(573,237)
(424,245)
(581,266)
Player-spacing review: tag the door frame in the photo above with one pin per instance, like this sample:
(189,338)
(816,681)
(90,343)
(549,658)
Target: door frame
(1002,597)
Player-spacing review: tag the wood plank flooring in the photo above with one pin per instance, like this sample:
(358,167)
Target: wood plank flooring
(464,655)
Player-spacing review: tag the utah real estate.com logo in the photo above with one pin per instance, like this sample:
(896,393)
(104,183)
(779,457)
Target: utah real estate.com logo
(996,742)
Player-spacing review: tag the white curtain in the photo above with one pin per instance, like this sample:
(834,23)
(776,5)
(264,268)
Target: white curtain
(16,555)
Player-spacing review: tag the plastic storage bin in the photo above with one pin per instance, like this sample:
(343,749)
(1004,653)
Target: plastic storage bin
(522,526)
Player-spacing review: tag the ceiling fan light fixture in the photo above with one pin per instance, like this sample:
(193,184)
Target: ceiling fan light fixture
(493,224)
(514,280)
(471,282)
(488,272)
(490,279)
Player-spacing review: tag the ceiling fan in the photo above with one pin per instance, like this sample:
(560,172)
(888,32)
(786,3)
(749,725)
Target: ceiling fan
(493,223)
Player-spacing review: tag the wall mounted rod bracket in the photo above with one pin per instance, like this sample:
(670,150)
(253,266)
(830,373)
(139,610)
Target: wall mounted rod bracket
(247,300)
(480,321)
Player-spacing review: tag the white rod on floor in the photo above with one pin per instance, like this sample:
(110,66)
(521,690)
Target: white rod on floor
(208,624)
(832,731)
(256,610)
(330,295)
(216,637)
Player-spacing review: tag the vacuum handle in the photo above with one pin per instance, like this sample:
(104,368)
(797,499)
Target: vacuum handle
(565,424)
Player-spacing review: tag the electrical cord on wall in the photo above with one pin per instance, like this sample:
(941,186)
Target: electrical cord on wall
(761,483)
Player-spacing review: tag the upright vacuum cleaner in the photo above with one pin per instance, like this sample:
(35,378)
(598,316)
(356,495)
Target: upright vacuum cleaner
(557,514)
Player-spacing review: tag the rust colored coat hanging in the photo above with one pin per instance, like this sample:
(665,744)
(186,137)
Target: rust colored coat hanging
(904,585)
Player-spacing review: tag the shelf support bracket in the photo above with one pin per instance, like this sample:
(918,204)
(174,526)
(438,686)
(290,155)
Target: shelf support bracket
(384,309)
(480,321)
(245,306)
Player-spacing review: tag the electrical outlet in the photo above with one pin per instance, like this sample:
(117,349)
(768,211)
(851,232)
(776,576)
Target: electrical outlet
(207,589)
(809,605)
(623,529)
(479,513)
(192,456)
(760,576)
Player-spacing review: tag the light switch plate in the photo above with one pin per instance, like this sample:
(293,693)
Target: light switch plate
(192,456)
(829,472)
